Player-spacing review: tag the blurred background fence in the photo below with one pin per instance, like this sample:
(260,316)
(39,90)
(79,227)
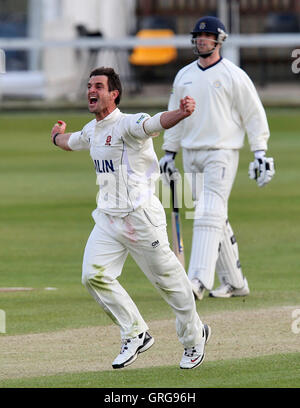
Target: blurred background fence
(51,45)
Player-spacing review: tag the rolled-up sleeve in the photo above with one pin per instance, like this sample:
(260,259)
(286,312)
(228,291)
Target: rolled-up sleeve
(134,125)
(79,141)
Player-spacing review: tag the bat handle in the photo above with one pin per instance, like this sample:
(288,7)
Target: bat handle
(174,195)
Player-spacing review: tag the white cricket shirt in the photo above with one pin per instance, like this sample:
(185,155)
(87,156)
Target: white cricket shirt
(227,107)
(124,159)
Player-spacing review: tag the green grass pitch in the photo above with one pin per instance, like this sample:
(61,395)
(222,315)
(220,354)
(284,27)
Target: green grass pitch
(47,196)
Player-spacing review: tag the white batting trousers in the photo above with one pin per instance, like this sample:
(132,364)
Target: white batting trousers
(143,234)
(219,169)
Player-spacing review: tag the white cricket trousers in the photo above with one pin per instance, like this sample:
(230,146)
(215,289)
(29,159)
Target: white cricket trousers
(214,246)
(143,234)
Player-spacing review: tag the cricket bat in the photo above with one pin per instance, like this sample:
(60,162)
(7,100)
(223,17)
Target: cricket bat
(176,225)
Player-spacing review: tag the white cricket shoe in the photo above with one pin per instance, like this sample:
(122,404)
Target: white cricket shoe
(227,291)
(194,356)
(131,348)
(197,288)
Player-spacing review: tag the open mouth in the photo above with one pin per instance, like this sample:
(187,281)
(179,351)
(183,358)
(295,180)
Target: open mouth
(93,100)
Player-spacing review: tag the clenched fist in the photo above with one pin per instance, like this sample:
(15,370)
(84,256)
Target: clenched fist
(59,127)
(187,105)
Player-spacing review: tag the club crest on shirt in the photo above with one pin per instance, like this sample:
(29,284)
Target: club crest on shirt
(108,141)
(217,84)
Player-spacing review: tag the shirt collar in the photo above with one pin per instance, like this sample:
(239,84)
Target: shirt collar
(112,116)
(210,66)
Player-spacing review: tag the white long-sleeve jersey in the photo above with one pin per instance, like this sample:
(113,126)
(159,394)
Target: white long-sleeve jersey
(227,107)
(124,159)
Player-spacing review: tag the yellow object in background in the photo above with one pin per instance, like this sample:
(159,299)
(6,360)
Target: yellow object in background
(153,55)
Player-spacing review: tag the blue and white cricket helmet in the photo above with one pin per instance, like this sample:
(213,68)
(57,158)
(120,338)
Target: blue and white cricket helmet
(210,24)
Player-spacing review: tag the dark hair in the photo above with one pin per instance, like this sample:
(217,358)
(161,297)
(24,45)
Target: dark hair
(114,82)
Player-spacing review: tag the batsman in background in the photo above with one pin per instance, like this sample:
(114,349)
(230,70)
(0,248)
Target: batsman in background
(227,107)
(129,218)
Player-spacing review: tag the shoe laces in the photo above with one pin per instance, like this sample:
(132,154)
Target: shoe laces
(125,342)
(189,352)
(228,287)
(124,346)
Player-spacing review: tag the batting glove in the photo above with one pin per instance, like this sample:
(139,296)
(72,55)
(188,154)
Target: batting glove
(167,167)
(261,169)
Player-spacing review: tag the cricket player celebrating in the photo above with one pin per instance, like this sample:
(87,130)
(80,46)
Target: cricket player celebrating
(227,107)
(129,218)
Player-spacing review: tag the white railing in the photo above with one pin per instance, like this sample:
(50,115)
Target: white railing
(179,41)
(231,48)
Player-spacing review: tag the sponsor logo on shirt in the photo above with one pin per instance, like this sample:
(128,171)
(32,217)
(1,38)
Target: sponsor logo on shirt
(140,119)
(104,166)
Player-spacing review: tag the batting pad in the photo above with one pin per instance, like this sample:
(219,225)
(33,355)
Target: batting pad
(228,266)
(210,216)
(204,254)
